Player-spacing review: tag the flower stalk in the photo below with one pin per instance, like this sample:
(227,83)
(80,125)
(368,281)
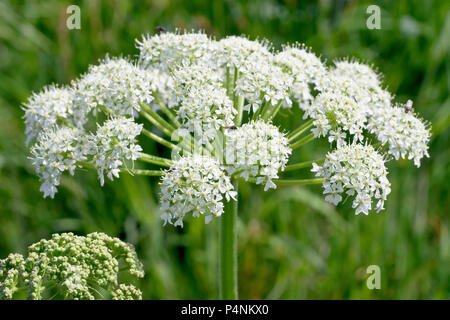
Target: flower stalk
(228,244)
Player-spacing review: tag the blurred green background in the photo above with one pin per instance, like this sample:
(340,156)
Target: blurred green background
(292,245)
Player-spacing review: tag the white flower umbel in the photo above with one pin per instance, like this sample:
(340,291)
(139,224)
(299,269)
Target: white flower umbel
(257,149)
(350,94)
(167,50)
(57,150)
(405,134)
(248,66)
(52,106)
(73,267)
(260,81)
(113,143)
(116,86)
(203,104)
(355,170)
(306,70)
(194,184)
(336,114)
(234,52)
(361,82)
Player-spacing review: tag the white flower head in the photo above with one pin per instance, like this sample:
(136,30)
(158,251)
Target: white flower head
(116,86)
(349,95)
(203,104)
(167,50)
(194,184)
(234,52)
(257,149)
(48,108)
(355,170)
(305,68)
(57,150)
(112,144)
(359,81)
(405,134)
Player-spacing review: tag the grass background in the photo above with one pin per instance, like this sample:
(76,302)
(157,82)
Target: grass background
(292,245)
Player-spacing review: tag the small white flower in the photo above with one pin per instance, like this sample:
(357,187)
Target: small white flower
(167,50)
(203,106)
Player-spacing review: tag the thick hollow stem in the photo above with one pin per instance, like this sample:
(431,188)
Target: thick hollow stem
(228,242)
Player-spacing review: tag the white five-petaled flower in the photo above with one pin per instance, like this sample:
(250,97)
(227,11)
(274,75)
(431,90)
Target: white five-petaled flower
(201,85)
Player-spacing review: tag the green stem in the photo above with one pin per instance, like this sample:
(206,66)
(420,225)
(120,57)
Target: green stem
(150,114)
(272,112)
(294,134)
(152,173)
(240,105)
(290,182)
(303,141)
(167,111)
(264,110)
(160,140)
(228,264)
(155,160)
(301,165)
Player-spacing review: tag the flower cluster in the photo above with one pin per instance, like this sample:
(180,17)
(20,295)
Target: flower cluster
(48,108)
(167,50)
(356,170)
(194,184)
(257,149)
(405,134)
(114,142)
(58,150)
(65,149)
(70,266)
(204,106)
(116,86)
(306,70)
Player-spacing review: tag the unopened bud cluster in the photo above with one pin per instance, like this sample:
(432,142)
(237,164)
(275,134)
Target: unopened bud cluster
(71,267)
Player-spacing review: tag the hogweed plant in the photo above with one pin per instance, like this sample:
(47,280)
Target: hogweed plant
(212,103)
